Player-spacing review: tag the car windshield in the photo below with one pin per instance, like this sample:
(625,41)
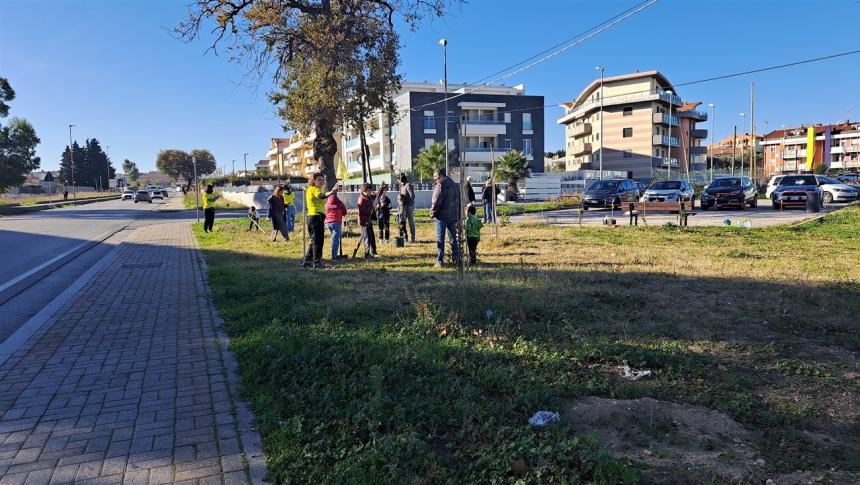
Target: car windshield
(799,180)
(603,185)
(667,185)
(726,183)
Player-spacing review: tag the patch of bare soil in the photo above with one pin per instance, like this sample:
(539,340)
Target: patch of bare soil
(678,443)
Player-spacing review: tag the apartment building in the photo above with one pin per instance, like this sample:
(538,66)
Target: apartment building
(490,120)
(294,156)
(732,145)
(836,146)
(646,127)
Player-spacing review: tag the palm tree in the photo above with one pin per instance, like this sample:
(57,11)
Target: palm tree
(512,167)
(429,159)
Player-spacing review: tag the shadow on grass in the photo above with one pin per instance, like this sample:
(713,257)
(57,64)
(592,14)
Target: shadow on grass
(361,373)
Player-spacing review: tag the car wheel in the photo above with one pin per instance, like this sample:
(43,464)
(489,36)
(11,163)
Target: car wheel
(149,201)
(754,203)
(135,202)
(827,198)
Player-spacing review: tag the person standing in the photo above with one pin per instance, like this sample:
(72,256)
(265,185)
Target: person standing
(253,219)
(383,214)
(208,209)
(335,210)
(406,201)
(473,234)
(365,216)
(290,208)
(446,209)
(470,192)
(276,213)
(315,198)
(488,196)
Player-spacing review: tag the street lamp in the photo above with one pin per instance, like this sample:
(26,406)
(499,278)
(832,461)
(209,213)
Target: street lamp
(246,165)
(669,138)
(600,146)
(444,44)
(742,144)
(233,168)
(713,123)
(107,166)
(72,157)
(782,152)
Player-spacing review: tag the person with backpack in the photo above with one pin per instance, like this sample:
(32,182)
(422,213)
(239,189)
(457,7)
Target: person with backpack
(334,212)
(473,234)
(383,214)
(365,214)
(406,201)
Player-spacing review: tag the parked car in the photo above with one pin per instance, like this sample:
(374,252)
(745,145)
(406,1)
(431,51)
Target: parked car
(127,194)
(794,190)
(771,185)
(729,191)
(156,194)
(610,193)
(668,191)
(642,186)
(833,190)
(142,196)
(849,178)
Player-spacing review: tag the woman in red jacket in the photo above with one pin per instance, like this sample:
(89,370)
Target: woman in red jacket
(334,212)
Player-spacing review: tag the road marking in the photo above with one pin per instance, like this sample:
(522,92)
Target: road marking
(32,325)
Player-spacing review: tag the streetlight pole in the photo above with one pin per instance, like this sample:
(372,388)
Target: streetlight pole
(713,123)
(669,139)
(233,169)
(196,189)
(444,44)
(72,157)
(782,152)
(742,145)
(600,146)
(246,165)
(107,165)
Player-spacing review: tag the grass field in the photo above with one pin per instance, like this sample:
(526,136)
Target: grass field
(391,371)
(33,199)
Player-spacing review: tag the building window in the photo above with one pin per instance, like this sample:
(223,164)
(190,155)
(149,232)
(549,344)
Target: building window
(627,154)
(507,117)
(527,146)
(628,111)
(507,143)
(428,142)
(527,121)
(597,136)
(627,132)
(429,121)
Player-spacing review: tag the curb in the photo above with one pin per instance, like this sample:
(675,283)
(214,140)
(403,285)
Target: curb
(23,209)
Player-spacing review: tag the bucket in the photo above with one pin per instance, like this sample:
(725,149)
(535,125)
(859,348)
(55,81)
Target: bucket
(399,242)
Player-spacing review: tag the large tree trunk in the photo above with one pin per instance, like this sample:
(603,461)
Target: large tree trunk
(362,142)
(325,147)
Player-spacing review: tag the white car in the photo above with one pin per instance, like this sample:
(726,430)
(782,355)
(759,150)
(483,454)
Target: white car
(668,191)
(127,194)
(771,185)
(833,190)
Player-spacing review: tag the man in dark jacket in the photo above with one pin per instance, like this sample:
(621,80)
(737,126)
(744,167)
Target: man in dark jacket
(406,201)
(446,209)
(470,192)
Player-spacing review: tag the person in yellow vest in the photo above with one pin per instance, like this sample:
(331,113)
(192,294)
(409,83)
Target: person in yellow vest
(208,209)
(290,208)
(315,197)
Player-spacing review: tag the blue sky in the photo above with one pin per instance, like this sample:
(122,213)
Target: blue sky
(112,68)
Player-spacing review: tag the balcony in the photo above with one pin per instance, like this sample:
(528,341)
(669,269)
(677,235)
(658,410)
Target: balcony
(581,129)
(694,115)
(851,148)
(484,125)
(481,154)
(664,140)
(664,162)
(698,133)
(700,150)
(581,149)
(664,119)
(594,104)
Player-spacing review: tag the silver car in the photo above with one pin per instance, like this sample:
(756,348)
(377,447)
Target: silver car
(668,191)
(833,190)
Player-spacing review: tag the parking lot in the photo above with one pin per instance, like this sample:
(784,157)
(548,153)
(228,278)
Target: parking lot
(761,216)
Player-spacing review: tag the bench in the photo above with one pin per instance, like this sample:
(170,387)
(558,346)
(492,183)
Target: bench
(684,210)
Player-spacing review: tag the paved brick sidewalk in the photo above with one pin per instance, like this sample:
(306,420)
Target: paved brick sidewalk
(129,381)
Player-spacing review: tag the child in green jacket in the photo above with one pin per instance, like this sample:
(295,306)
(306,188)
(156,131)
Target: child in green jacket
(473,233)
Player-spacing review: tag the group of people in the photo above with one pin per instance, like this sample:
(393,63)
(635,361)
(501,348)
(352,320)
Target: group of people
(325,212)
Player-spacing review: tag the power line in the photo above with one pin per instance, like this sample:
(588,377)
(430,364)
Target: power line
(605,26)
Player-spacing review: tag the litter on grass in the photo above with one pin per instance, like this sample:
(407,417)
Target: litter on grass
(634,375)
(490,314)
(543,418)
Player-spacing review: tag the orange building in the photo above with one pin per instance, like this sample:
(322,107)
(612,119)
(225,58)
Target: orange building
(835,147)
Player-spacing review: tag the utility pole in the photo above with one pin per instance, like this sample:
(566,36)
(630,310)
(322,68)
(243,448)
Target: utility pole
(743,117)
(713,107)
(246,165)
(461,236)
(72,156)
(600,149)
(233,168)
(752,131)
(196,189)
(444,44)
(669,141)
(782,152)
(107,165)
